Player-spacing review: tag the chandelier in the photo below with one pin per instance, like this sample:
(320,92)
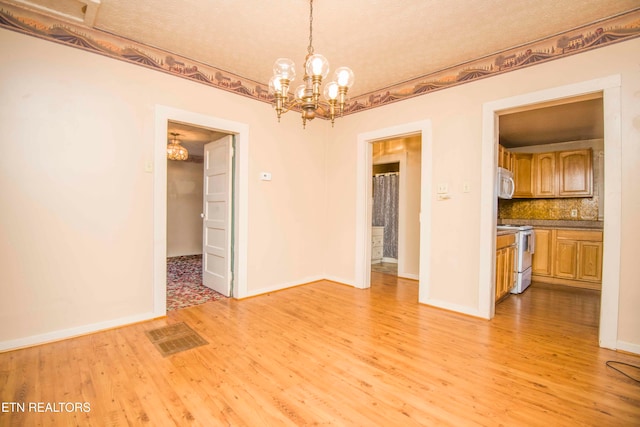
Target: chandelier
(175,151)
(307,95)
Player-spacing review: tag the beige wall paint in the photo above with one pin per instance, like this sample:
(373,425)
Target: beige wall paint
(184,205)
(456,116)
(76,252)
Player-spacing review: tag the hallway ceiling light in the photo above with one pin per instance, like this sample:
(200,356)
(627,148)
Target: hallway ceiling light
(307,95)
(175,151)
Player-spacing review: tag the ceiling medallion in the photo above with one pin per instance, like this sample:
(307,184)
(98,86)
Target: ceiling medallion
(307,95)
(175,151)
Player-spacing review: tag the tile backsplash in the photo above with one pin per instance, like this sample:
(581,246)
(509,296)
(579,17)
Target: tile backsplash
(555,209)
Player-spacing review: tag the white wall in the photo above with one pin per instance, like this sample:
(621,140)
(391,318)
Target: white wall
(456,117)
(76,252)
(184,205)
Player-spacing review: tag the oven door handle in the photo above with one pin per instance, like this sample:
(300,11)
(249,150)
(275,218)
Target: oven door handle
(532,242)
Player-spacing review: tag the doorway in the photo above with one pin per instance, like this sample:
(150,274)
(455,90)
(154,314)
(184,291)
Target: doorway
(165,115)
(385,217)
(420,131)
(197,272)
(610,89)
(396,172)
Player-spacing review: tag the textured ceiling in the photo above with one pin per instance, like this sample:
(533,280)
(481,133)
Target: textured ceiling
(385,42)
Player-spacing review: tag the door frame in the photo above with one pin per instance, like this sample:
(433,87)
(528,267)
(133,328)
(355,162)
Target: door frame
(364,200)
(164,114)
(611,97)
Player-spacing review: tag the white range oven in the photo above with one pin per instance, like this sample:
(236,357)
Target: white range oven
(525,247)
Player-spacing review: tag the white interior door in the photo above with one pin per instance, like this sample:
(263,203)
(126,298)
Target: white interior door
(216,259)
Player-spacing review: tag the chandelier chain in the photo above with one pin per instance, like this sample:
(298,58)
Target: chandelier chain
(310,48)
(307,95)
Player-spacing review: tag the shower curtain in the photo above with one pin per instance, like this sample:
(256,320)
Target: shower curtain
(385,210)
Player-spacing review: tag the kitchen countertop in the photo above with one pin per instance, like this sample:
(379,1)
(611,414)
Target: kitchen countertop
(549,223)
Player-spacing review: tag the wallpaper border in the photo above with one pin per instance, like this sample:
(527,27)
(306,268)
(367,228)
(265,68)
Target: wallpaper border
(595,35)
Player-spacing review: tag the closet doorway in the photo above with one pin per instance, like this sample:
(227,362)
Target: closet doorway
(395,232)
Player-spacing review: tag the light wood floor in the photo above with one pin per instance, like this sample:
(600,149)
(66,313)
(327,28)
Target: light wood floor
(330,354)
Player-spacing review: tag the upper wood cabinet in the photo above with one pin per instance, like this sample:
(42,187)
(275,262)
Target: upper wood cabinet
(575,173)
(555,174)
(505,158)
(523,175)
(544,173)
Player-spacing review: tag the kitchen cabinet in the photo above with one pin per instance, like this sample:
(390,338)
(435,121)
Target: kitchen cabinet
(559,174)
(590,261)
(568,257)
(542,262)
(505,158)
(523,175)
(575,173)
(580,255)
(545,177)
(505,264)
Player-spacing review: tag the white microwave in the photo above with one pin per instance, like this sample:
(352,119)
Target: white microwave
(506,185)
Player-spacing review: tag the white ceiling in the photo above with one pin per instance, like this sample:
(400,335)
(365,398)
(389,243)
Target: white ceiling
(385,42)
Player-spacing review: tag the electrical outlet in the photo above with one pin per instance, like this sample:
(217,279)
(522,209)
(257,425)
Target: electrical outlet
(574,213)
(443,188)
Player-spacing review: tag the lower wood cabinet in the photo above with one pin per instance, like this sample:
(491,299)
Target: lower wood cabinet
(568,257)
(505,264)
(542,262)
(590,261)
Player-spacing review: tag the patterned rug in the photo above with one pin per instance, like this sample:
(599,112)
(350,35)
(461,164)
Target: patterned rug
(184,283)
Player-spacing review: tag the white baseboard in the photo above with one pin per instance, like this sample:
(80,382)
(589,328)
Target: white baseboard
(390,260)
(409,276)
(340,280)
(452,307)
(629,347)
(282,286)
(74,332)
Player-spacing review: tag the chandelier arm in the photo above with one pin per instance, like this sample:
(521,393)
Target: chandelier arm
(288,106)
